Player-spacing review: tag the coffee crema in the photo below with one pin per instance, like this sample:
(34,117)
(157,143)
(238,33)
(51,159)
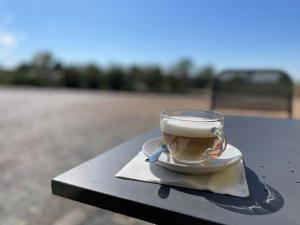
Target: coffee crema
(188,138)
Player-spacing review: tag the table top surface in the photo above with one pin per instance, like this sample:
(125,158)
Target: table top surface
(272,163)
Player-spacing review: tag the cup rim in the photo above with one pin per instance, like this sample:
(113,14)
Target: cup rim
(165,113)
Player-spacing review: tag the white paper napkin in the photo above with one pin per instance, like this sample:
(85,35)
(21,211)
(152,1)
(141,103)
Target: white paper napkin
(230,181)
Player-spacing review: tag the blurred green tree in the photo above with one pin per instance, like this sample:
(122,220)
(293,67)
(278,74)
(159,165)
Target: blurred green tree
(42,70)
(93,77)
(135,79)
(73,77)
(183,67)
(153,78)
(43,59)
(182,71)
(23,67)
(45,70)
(115,76)
(204,77)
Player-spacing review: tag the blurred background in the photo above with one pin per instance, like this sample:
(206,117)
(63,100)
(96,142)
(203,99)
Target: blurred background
(79,77)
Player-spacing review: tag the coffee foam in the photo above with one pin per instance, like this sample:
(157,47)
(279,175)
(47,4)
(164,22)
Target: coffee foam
(188,126)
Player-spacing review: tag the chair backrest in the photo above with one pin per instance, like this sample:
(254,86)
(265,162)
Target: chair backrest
(270,90)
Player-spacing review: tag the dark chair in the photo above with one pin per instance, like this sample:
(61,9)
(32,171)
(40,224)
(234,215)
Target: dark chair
(266,90)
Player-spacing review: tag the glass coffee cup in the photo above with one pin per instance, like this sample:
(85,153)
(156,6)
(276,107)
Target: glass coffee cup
(193,136)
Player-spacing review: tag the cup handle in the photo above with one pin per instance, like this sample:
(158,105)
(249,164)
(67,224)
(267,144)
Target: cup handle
(220,147)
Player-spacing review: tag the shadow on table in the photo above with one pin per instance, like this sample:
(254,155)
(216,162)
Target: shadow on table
(263,198)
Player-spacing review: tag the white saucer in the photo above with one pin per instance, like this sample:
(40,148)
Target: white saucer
(230,157)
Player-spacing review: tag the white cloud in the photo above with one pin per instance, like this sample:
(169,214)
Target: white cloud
(8,43)
(8,40)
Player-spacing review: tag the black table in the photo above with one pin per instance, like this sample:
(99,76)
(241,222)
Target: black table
(272,159)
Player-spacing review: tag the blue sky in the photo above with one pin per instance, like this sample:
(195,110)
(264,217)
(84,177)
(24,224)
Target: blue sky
(224,33)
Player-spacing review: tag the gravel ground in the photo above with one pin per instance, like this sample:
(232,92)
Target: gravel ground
(44,132)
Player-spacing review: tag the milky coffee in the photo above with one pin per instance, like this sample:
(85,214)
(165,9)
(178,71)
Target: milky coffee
(188,137)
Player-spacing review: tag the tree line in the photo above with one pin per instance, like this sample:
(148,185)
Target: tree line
(44,70)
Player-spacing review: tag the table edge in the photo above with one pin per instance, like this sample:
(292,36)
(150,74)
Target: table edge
(122,205)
